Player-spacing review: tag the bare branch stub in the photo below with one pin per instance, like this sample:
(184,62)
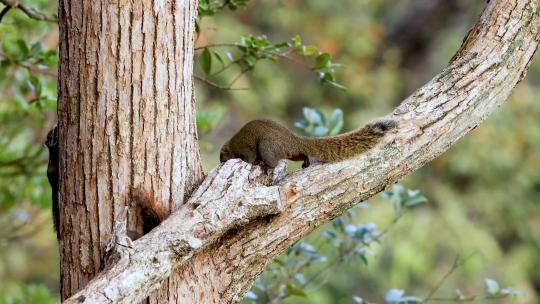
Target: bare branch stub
(29,11)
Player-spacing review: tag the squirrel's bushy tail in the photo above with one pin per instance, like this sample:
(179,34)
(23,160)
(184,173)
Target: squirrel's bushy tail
(343,146)
(151,212)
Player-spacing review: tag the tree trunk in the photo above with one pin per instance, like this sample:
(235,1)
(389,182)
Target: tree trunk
(126,121)
(492,60)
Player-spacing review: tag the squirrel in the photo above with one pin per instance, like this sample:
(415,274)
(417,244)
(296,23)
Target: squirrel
(267,141)
(52,174)
(151,212)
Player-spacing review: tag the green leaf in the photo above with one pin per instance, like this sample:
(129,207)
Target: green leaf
(511,291)
(23,48)
(337,85)
(338,224)
(36,49)
(250,295)
(300,278)
(322,61)
(302,124)
(312,115)
(309,50)
(363,258)
(492,286)
(394,295)
(206,61)
(296,41)
(359,300)
(295,291)
(336,122)
(330,234)
(413,201)
(37,87)
(219,58)
(279,262)
(320,131)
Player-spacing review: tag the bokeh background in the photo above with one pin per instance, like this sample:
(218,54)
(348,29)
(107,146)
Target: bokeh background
(483,194)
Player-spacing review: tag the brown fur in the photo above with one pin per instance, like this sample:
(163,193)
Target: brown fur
(151,212)
(52,175)
(268,141)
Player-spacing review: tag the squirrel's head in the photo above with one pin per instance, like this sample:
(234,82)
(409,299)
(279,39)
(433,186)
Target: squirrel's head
(225,154)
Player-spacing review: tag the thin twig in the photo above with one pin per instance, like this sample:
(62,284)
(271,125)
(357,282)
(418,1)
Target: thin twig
(24,235)
(209,46)
(235,79)
(242,72)
(23,159)
(281,55)
(335,262)
(385,231)
(31,68)
(226,66)
(457,263)
(29,11)
(471,298)
(4,11)
(211,83)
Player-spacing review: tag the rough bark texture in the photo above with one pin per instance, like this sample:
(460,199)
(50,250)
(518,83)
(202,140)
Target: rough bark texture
(126,121)
(492,60)
(214,209)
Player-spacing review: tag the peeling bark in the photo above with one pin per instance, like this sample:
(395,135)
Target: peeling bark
(493,59)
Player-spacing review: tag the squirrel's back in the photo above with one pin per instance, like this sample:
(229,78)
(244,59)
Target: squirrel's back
(269,141)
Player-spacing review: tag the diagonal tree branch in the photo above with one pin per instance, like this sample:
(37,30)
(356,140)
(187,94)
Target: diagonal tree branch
(492,60)
(29,11)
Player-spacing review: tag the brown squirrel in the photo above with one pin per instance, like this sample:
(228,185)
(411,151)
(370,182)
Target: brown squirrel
(52,174)
(267,141)
(152,213)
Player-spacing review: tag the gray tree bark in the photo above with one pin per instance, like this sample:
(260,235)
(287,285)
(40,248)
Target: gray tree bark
(492,60)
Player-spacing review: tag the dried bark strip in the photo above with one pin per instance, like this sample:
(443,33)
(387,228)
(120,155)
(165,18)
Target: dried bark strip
(215,208)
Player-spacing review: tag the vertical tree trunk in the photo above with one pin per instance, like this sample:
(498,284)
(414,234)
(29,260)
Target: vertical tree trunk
(126,121)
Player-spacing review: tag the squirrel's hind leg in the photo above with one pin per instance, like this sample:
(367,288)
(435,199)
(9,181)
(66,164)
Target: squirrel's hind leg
(267,150)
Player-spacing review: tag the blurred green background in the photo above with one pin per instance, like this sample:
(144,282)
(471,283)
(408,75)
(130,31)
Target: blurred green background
(483,195)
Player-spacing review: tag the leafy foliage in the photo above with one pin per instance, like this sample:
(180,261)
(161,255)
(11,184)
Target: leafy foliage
(31,294)
(315,123)
(304,265)
(28,64)
(402,198)
(252,49)
(211,7)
